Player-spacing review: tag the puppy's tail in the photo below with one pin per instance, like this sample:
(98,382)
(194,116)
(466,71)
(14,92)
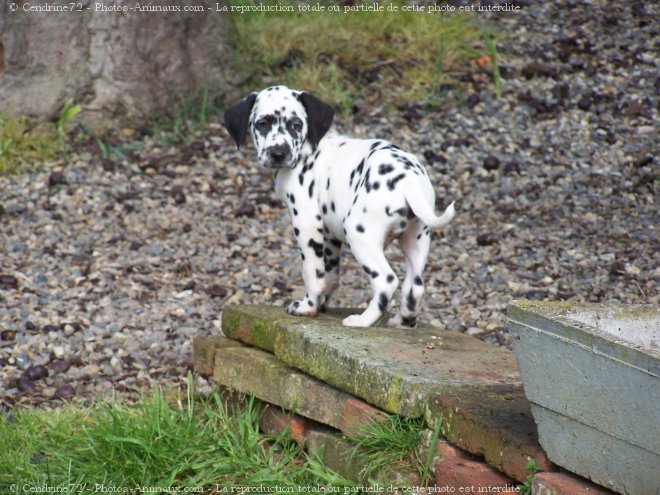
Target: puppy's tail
(423,209)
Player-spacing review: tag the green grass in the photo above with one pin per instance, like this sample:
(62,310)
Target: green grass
(391,441)
(532,468)
(154,443)
(401,56)
(26,142)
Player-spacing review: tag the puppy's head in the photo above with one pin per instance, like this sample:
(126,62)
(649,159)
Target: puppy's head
(281,121)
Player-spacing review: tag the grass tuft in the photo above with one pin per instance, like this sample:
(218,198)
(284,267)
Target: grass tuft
(25,143)
(385,56)
(154,443)
(391,441)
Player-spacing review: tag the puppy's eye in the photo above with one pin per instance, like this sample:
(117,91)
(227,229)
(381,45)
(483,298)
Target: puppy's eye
(296,125)
(262,124)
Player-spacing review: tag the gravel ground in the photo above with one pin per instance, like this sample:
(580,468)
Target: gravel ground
(107,271)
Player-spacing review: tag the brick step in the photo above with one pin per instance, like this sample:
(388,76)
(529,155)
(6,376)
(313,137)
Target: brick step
(325,374)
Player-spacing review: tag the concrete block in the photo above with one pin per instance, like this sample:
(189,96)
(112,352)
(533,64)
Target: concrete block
(592,374)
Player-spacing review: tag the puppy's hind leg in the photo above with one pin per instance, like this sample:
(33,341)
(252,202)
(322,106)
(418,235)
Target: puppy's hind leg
(415,243)
(369,253)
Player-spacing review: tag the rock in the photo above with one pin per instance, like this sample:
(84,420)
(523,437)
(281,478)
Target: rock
(31,327)
(537,294)
(37,372)
(486,239)
(585,102)
(618,268)
(245,210)
(216,291)
(50,328)
(473,100)
(60,365)
(7,335)
(64,392)
(8,282)
(178,195)
(100,58)
(26,385)
(538,69)
(55,179)
(491,163)
(512,168)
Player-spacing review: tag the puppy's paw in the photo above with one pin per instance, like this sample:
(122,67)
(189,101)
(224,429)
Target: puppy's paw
(400,321)
(304,307)
(356,321)
(395,321)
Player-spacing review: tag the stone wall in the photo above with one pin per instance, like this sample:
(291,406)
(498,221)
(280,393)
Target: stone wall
(121,66)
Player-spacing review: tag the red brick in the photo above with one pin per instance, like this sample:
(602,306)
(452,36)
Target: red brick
(565,484)
(471,476)
(275,421)
(356,413)
(445,450)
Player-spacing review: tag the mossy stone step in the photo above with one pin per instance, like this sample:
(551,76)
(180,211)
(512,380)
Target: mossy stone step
(260,374)
(493,422)
(396,370)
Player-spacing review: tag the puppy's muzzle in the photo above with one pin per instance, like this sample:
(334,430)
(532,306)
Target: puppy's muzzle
(279,156)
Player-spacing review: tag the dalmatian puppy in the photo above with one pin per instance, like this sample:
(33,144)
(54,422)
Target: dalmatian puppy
(362,193)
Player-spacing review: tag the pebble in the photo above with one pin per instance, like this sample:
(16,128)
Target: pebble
(36,372)
(8,282)
(64,392)
(491,163)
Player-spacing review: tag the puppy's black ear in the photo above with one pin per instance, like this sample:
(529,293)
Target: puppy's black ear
(319,117)
(237,118)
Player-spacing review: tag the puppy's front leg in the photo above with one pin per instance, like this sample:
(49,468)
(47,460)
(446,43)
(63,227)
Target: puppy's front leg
(310,242)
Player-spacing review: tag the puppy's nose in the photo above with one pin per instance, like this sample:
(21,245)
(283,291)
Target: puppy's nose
(278,153)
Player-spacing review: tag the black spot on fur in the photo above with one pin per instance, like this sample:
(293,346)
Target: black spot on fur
(296,231)
(295,212)
(292,198)
(370,272)
(332,206)
(301,178)
(311,188)
(324,208)
(390,278)
(319,273)
(382,301)
(391,184)
(360,229)
(327,186)
(335,242)
(317,247)
(385,168)
(411,302)
(418,280)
